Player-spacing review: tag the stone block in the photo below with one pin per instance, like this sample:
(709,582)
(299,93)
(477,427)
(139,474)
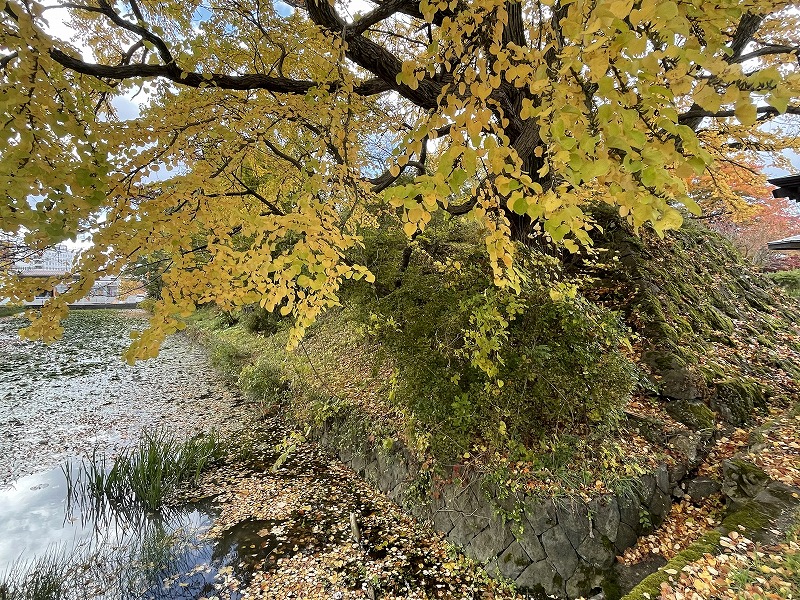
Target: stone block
(659,506)
(469,517)
(539,516)
(397,493)
(345,454)
(573,519)
(597,552)
(442,521)
(512,561)
(372,472)
(648,487)
(422,510)
(585,582)
(742,480)
(626,538)
(692,445)
(358,463)
(677,473)
(682,384)
(662,479)
(531,544)
(465,528)
(490,542)
(543,577)
(701,488)
(629,508)
(605,516)
(560,552)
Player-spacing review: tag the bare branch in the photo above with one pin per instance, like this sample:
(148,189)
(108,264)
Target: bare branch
(700,113)
(258,196)
(296,163)
(766,51)
(4,60)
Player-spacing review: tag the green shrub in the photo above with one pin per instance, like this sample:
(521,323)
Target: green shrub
(478,362)
(228,357)
(256,319)
(263,380)
(7,311)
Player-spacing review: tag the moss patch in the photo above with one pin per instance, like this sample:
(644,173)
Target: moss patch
(699,306)
(737,398)
(650,586)
(695,415)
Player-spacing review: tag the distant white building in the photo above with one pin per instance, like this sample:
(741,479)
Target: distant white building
(45,263)
(57,261)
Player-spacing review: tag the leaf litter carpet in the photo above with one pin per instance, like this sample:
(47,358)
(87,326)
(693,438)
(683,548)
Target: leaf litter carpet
(297,538)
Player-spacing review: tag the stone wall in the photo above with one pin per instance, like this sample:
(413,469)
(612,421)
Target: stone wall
(564,548)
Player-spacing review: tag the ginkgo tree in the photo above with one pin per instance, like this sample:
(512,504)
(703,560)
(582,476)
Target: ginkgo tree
(272,136)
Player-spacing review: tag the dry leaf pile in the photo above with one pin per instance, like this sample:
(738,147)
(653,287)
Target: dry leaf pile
(725,447)
(779,455)
(742,571)
(685,523)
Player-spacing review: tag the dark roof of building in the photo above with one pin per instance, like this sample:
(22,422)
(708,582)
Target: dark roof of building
(790,243)
(788,187)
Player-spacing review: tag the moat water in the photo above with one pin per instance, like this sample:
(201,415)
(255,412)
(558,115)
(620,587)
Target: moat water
(58,404)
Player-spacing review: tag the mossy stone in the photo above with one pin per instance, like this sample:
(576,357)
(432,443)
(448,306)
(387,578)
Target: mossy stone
(742,481)
(750,517)
(661,360)
(694,415)
(736,399)
(650,586)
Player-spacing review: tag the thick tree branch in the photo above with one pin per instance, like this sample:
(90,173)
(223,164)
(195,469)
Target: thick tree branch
(767,51)
(747,28)
(461,209)
(385,179)
(4,60)
(373,57)
(255,81)
(384,11)
(514,31)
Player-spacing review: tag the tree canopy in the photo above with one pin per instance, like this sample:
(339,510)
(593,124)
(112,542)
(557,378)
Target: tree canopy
(273,136)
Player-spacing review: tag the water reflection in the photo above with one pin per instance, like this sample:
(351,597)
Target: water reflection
(102,552)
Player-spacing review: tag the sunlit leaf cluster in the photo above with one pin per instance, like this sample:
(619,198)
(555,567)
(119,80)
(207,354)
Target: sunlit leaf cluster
(269,137)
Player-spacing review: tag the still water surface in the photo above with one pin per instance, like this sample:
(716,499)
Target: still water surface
(57,404)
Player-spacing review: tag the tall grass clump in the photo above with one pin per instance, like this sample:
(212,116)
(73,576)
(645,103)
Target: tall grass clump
(148,473)
(46,577)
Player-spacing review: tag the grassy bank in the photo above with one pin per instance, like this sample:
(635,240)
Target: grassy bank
(533,389)
(7,311)
(526,389)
